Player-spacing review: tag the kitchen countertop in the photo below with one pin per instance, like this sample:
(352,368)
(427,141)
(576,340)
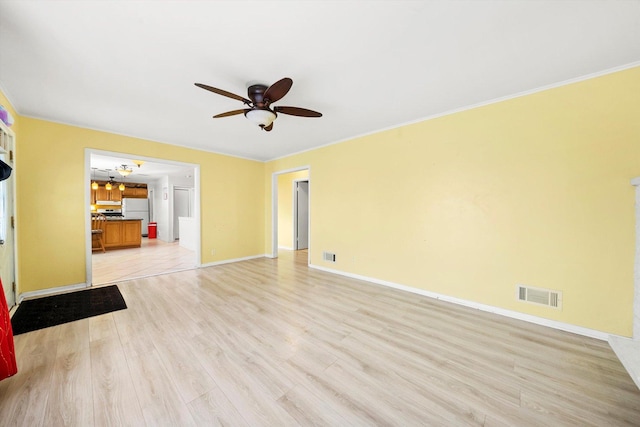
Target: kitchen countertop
(123,219)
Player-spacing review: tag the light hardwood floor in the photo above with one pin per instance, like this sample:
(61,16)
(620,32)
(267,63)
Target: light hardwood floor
(152,258)
(270,342)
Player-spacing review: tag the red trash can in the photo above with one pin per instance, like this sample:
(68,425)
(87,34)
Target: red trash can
(152,229)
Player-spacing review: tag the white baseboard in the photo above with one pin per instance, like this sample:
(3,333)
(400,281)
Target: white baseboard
(229,261)
(472,304)
(51,291)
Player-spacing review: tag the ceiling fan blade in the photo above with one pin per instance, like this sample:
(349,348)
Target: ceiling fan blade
(296,111)
(223,93)
(231,113)
(277,90)
(268,128)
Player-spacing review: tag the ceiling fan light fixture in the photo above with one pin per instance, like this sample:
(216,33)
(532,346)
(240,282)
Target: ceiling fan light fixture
(261,117)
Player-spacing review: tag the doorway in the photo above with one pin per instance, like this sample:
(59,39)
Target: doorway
(282,208)
(154,256)
(7,231)
(636,286)
(301,214)
(182,207)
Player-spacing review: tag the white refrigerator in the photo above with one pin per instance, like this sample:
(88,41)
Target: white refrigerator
(137,209)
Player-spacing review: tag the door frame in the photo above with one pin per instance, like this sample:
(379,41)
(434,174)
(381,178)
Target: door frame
(295,211)
(87,202)
(636,276)
(173,205)
(274,209)
(13,229)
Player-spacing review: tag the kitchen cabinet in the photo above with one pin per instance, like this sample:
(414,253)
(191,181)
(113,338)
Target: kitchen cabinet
(102,193)
(138,191)
(114,195)
(122,233)
(135,192)
(142,193)
(131,233)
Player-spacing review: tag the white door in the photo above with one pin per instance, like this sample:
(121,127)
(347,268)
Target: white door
(152,202)
(181,207)
(7,241)
(302,215)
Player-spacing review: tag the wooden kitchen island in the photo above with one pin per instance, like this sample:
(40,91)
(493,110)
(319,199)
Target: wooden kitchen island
(122,233)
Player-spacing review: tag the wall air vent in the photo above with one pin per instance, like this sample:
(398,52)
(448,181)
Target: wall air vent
(328,256)
(540,296)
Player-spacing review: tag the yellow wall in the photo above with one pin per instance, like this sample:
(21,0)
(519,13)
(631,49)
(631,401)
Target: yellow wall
(534,190)
(285,207)
(51,200)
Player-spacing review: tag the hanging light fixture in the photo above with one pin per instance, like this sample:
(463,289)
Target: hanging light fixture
(109,185)
(138,162)
(121,187)
(124,170)
(94,184)
(263,117)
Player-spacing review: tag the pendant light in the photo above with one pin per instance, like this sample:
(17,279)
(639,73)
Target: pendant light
(94,184)
(121,186)
(109,185)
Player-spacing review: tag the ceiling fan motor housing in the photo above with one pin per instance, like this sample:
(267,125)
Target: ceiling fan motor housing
(256,94)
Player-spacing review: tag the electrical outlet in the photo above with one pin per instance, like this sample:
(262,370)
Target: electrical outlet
(213,251)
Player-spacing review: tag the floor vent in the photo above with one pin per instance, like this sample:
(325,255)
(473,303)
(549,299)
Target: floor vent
(540,296)
(328,256)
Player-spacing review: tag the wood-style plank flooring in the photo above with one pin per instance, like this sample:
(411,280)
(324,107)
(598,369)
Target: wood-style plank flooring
(272,343)
(152,258)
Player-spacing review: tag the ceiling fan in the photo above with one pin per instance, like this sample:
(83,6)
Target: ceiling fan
(261,97)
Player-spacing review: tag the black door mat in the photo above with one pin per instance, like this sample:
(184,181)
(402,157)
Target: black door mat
(41,313)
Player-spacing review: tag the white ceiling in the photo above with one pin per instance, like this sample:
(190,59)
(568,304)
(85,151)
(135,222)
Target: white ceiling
(129,67)
(104,167)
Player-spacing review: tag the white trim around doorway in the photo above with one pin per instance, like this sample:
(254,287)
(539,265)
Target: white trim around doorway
(294,199)
(628,349)
(274,209)
(87,202)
